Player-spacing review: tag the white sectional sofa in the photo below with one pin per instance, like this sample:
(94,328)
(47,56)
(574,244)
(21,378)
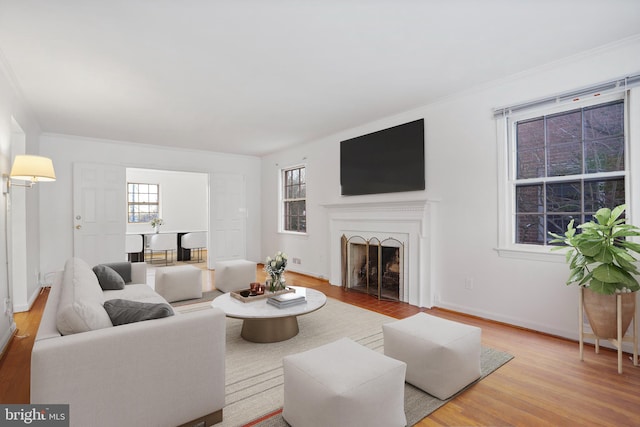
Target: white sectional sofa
(163,372)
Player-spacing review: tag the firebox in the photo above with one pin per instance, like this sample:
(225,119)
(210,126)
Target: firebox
(373,266)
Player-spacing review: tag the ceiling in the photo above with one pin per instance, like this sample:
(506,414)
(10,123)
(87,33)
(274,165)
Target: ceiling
(255,76)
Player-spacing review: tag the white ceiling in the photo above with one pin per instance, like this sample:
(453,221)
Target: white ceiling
(255,76)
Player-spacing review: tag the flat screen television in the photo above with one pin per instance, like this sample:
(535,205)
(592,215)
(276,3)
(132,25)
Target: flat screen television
(388,161)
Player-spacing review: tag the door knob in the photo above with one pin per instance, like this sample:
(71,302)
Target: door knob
(78,227)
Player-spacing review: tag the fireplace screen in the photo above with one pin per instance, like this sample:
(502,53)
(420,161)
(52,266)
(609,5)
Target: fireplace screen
(373,266)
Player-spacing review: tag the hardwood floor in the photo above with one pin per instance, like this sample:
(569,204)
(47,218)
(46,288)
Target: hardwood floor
(15,365)
(544,385)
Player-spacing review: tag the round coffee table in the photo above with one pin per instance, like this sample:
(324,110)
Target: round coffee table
(265,323)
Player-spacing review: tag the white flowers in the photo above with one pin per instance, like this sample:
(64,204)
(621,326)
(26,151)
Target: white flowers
(275,268)
(277,264)
(156,222)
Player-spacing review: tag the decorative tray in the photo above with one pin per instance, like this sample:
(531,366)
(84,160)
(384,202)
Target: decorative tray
(244,295)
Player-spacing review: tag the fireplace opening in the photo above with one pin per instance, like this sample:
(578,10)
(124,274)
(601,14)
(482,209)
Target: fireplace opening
(373,266)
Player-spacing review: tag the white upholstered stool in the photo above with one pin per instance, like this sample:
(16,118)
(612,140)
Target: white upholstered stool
(343,384)
(442,356)
(179,283)
(234,275)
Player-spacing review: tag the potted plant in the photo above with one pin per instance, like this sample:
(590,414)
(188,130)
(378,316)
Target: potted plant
(600,260)
(156,223)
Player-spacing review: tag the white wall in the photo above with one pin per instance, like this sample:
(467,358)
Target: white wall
(461,172)
(57,201)
(184,199)
(12,106)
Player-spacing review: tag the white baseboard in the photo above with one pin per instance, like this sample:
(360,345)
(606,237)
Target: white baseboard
(306,273)
(567,334)
(32,299)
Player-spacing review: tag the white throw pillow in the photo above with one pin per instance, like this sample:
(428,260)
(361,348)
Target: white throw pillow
(81,300)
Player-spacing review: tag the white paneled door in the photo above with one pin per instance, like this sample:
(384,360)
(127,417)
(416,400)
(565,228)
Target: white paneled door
(99,212)
(229,218)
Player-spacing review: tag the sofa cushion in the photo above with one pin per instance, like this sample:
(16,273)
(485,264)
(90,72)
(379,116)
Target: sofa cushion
(122,268)
(135,292)
(80,308)
(108,278)
(122,311)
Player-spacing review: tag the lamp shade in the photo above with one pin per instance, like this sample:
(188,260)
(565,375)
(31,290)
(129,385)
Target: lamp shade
(32,168)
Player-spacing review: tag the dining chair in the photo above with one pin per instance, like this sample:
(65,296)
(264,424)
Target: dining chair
(166,243)
(194,241)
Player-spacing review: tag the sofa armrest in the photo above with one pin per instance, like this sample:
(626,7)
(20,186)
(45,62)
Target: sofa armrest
(158,372)
(139,272)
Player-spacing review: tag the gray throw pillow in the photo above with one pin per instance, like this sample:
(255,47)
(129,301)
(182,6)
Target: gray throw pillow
(108,278)
(122,311)
(123,268)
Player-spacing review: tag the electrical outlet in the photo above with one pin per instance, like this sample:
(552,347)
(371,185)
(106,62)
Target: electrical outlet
(468,283)
(296,261)
(7,306)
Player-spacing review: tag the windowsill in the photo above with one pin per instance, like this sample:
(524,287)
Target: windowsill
(532,253)
(293,233)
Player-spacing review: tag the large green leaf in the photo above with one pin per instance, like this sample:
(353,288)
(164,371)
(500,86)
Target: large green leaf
(616,212)
(589,247)
(631,246)
(578,260)
(602,288)
(603,215)
(621,253)
(605,255)
(609,273)
(575,275)
(586,279)
(627,266)
(590,227)
(625,231)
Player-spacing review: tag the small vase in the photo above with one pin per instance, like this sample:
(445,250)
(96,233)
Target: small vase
(156,229)
(276,283)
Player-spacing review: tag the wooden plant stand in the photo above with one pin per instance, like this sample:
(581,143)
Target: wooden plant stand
(617,342)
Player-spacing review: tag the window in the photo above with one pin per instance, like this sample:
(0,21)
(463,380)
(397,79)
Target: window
(143,202)
(294,200)
(567,165)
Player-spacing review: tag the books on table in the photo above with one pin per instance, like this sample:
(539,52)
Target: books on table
(286,300)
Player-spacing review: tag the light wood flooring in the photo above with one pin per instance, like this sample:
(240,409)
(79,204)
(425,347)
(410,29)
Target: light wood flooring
(544,385)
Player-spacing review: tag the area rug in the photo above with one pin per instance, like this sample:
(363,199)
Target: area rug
(417,403)
(254,376)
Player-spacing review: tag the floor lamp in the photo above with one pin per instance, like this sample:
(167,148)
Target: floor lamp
(30,170)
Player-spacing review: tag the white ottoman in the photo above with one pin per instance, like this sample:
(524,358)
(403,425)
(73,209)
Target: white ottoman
(442,356)
(234,275)
(343,384)
(179,282)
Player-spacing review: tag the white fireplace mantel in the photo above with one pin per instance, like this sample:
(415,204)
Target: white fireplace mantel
(408,221)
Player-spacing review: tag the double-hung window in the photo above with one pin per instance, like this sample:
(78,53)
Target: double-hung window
(563,157)
(143,202)
(566,166)
(294,200)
